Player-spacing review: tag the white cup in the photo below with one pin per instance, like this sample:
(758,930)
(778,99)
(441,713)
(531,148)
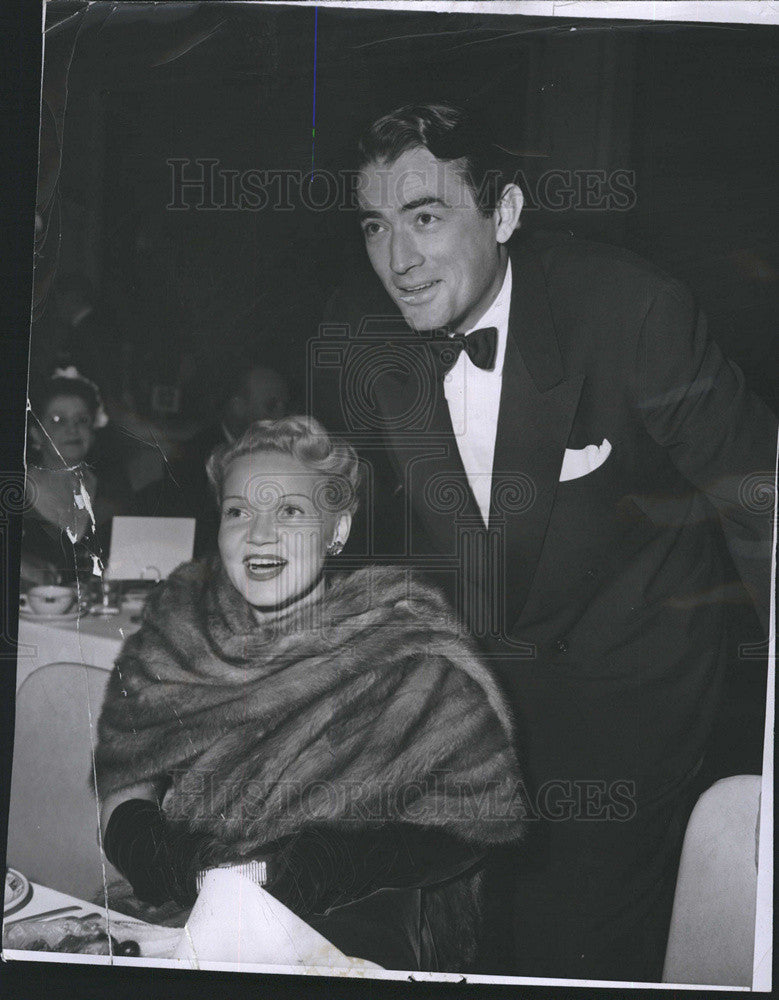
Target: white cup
(50,599)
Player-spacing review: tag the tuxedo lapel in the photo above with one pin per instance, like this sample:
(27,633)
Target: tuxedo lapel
(417,425)
(537,407)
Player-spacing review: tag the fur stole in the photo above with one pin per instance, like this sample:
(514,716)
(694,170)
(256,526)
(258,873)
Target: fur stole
(366,707)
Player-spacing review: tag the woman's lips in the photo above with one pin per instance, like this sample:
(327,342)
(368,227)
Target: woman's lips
(264,567)
(419,294)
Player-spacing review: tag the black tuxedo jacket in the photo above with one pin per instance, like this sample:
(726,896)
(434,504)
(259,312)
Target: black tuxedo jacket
(599,599)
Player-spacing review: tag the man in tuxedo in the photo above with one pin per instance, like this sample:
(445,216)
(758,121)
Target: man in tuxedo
(557,441)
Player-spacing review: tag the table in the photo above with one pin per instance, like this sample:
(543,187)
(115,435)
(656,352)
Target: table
(154,941)
(91,639)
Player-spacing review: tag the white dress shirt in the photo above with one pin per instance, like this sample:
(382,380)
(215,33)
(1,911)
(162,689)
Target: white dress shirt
(473,396)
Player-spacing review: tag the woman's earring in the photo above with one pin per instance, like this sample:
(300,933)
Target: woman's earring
(335,548)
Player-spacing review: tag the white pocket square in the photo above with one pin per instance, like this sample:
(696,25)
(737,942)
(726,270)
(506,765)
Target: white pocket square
(579,462)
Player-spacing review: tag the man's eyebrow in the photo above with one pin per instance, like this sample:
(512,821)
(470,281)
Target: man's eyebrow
(410,206)
(283,496)
(421,202)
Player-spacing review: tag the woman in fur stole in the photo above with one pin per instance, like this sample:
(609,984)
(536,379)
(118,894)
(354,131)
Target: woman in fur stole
(339,730)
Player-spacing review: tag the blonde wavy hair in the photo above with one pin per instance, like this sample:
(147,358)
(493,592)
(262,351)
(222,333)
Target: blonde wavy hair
(305,439)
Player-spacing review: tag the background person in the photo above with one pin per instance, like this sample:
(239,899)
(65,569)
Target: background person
(248,395)
(72,491)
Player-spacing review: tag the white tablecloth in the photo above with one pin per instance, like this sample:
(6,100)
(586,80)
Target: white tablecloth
(87,639)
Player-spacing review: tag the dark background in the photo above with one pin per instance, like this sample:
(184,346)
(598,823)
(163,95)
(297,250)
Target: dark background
(689,109)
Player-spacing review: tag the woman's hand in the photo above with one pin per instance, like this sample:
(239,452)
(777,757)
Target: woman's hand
(159,859)
(146,790)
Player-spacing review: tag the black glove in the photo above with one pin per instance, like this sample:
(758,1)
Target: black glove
(159,859)
(322,867)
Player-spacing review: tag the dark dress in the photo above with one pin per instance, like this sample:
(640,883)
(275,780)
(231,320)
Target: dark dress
(74,561)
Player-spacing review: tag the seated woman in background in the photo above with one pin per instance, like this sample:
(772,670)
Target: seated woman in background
(70,494)
(336,728)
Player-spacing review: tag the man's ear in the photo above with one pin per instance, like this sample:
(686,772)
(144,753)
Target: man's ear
(507,212)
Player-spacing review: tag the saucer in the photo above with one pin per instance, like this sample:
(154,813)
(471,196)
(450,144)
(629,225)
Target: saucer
(17,892)
(33,616)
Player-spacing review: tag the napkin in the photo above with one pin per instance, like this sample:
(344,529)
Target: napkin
(236,920)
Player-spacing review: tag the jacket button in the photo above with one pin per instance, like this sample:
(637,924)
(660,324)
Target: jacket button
(590,574)
(561,645)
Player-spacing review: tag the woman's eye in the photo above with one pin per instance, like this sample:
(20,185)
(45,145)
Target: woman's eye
(232,512)
(425,219)
(371,229)
(57,419)
(290,510)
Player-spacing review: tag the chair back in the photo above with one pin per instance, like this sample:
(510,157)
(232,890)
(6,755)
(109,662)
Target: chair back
(53,817)
(712,934)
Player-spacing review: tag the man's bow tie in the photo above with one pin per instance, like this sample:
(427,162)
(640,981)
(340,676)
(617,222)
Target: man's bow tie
(481,346)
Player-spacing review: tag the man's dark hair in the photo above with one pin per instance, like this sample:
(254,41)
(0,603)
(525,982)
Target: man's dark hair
(449,133)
